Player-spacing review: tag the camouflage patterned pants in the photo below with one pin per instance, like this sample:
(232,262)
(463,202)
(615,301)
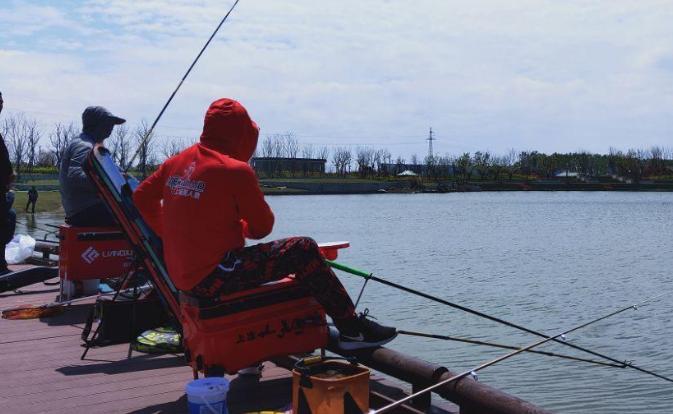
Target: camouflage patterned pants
(252,266)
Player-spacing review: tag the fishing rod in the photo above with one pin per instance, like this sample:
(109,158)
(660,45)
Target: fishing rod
(517,352)
(154,124)
(502,346)
(371,276)
(35,311)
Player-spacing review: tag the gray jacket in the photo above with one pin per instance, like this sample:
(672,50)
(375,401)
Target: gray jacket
(77,191)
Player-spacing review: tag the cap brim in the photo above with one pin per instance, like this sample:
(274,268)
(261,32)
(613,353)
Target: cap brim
(117,120)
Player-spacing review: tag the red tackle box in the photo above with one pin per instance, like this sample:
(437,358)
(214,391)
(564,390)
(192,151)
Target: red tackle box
(93,253)
(251,326)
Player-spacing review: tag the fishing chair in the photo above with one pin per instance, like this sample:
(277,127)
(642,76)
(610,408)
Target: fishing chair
(225,335)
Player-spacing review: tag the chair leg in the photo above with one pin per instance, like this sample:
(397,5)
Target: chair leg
(214,371)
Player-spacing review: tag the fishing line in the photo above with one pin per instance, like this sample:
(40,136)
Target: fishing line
(516,352)
(496,345)
(361,273)
(362,290)
(154,124)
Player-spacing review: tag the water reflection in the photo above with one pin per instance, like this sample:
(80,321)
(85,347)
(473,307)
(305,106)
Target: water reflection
(41,226)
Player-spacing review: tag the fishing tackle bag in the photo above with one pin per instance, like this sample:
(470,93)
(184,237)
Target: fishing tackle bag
(122,320)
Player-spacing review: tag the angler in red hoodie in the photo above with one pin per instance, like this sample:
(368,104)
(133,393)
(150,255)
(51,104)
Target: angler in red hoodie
(204,203)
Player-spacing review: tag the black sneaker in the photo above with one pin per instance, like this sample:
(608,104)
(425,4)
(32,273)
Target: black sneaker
(370,335)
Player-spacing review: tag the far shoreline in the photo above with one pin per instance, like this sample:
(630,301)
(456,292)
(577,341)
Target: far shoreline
(50,199)
(297,187)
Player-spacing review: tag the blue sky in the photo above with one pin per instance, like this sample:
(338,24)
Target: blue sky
(486,75)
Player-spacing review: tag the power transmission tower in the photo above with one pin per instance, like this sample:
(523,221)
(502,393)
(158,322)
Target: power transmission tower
(430,139)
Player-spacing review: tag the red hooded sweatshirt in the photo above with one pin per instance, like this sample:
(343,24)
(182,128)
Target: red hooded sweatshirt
(206,200)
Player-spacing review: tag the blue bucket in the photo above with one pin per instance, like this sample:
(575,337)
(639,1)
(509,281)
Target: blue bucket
(207,395)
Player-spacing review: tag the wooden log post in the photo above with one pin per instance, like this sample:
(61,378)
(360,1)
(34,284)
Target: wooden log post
(472,396)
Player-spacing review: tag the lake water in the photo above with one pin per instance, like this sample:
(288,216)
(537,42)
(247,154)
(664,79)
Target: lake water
(548,261)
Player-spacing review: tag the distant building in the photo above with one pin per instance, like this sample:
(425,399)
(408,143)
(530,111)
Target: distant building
(418,169)
(566,173)
(275,166)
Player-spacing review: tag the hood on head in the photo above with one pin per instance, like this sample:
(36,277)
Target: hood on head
(228,129)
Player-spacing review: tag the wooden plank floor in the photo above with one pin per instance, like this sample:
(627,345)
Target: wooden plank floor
(41,371)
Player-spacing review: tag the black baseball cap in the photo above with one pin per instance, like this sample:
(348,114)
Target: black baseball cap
(94,115)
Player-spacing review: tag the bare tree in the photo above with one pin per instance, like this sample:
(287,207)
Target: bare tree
(307,151)
(278,146)
(292,151)
(145,148)
(291,145)
(323,152)
(267,149)
(341,158)
(59,140)
(278,149)
(363,158)
(45,158)
(15,130)
(120,145)
(32,133)
(381,157)
(172,147)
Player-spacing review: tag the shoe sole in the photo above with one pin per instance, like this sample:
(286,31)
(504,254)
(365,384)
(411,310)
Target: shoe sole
(352,346)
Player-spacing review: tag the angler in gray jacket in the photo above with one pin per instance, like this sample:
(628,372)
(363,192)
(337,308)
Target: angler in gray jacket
(82,205)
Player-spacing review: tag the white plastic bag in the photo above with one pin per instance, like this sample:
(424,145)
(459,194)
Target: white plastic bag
(19,249)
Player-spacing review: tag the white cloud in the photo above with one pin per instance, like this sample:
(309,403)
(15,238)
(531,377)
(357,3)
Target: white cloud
(548,75)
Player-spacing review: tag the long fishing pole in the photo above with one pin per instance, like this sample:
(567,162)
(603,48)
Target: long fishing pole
(371,276)
(61,304)
(516,352)
(154,124)
(502,346)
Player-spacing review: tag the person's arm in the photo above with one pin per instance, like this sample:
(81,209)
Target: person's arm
(147,198)
(75,174)
(256,215)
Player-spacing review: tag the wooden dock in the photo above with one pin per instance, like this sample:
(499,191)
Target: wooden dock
(41,371)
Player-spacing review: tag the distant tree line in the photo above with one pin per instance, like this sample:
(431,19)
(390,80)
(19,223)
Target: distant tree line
(29,153)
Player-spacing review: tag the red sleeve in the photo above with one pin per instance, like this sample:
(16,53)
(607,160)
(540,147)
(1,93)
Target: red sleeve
(256,215)
(147,199)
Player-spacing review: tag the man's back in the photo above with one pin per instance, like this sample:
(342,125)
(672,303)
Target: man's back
(77,191)
(211,202)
